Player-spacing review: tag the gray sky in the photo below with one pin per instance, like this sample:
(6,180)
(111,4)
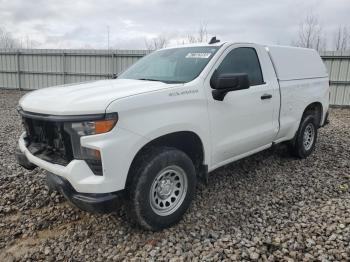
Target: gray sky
(83,23)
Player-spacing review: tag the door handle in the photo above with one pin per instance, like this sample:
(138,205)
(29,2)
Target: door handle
(266,96)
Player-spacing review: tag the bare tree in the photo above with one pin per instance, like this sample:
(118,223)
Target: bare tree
(7,41)
(341,38)
(27,43)
(156,43)
(202,35)
(310,34)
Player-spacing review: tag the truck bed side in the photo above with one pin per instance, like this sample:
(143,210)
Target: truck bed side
(303,80)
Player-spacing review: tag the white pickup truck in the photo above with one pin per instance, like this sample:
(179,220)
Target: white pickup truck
(170,119)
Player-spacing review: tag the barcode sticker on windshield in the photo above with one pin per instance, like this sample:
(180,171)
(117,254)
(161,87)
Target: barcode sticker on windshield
(198,55)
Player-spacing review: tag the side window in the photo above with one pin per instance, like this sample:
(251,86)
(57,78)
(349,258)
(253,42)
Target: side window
(243,60)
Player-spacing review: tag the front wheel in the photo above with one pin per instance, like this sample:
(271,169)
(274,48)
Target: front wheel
(303,144)
(162,188)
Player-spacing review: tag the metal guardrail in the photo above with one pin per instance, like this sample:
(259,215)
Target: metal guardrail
(76,54)
(56,73)
(339,82)
(335,57)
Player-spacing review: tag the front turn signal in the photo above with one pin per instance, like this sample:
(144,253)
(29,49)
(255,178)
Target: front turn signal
(104,126)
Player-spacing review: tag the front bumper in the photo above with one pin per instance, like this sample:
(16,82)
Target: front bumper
(118,148)
(83,180)
(23,160)
(95,203)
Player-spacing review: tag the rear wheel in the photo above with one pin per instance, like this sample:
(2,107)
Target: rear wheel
(303,144)
(162,188)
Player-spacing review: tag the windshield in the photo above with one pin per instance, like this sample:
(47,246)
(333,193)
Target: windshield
(177,65)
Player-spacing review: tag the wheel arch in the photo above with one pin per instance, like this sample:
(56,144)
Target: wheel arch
(316,109)
(187,141)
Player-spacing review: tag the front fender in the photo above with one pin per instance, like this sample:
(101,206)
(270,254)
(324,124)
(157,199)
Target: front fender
(155,114)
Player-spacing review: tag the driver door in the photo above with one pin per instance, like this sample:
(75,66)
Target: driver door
(244,121)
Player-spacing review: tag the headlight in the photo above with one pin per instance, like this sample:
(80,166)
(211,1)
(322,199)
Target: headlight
(95,127)
(85,128)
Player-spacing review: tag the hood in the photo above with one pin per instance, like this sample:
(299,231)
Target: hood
(85,98)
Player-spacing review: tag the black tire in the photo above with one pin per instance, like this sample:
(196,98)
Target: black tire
(148,169)
(297,146)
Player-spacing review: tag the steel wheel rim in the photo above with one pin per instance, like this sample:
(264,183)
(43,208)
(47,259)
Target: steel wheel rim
(309,136)
(168,190)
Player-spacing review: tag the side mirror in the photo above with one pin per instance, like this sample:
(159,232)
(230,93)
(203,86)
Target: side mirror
(224,83)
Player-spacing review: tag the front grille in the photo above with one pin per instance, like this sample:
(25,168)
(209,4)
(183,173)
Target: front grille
(48,140)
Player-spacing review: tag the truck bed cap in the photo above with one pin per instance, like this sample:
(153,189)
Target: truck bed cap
(292,63)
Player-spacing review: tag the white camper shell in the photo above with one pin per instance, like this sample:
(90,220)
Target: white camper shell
(294,63)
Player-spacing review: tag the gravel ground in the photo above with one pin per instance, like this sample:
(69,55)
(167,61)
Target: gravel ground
(269,206)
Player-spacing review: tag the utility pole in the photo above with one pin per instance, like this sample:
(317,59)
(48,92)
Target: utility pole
(108,55)
(108,37)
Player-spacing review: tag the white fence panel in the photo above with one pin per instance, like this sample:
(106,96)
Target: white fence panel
(38,68)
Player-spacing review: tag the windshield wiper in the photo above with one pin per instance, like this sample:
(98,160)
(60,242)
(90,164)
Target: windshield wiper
(163,81)
(174,82)
(149,79)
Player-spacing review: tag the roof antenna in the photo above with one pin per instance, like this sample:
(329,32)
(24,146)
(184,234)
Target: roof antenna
(213,40)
